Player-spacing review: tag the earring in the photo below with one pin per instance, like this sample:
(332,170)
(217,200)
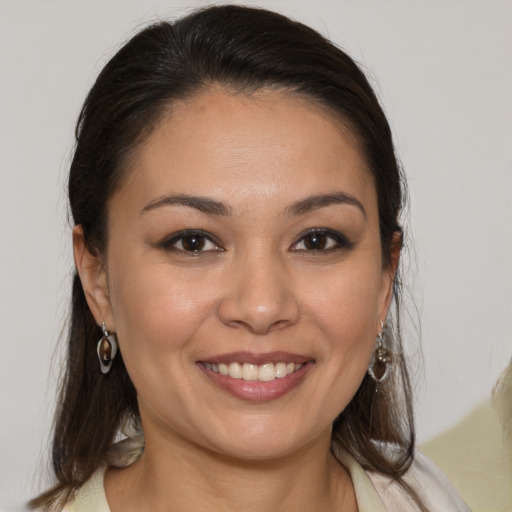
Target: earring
(106,349)
(381,361)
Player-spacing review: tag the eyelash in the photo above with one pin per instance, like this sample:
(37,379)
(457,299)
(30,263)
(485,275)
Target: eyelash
(170,243)
(336,239)
(333,239)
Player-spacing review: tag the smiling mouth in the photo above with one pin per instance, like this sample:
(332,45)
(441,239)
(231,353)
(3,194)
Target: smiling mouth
(266,372)
(257,377)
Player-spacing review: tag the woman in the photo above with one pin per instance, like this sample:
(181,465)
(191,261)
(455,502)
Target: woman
(236,199)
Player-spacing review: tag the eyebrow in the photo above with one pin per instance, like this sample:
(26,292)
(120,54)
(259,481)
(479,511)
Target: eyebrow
(212,207)
(203,204)
(321,201)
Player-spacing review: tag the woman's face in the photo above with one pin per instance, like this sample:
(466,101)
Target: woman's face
(244,273)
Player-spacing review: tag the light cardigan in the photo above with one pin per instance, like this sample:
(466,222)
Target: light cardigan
(374,492)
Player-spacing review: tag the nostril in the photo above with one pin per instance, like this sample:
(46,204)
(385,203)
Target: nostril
(259,326)
(260,301)
(280,324)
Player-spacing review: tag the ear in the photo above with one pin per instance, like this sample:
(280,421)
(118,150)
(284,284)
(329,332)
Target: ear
(94,279)
(388,276)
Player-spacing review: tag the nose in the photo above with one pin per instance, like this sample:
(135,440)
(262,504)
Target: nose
(260,296)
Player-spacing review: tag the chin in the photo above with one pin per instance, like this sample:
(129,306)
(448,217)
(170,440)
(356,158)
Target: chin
(256,450)
(262,441)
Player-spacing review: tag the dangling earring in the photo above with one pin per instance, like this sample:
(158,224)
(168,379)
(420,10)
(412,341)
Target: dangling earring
(381,361)
(106,349)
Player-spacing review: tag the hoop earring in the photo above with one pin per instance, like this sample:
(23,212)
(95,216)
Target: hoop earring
(106,349)
(381,361)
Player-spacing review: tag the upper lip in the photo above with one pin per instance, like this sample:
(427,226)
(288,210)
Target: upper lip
(258,359)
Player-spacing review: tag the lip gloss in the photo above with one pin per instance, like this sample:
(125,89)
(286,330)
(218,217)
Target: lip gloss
(256,390)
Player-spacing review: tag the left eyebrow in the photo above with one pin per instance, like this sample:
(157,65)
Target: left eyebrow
(321,201)
(203,204)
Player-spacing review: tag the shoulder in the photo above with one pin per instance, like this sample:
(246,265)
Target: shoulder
(432,486)
(91,496)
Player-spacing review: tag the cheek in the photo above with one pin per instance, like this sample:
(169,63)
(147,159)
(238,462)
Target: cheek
(342,311)
(157,308)
(346,305)
(346,309)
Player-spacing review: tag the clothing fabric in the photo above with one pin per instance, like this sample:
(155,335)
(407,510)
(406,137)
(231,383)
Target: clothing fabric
(476,453)
(378,493)
(374,492)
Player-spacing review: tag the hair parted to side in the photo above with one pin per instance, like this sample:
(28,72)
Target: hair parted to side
(242,50)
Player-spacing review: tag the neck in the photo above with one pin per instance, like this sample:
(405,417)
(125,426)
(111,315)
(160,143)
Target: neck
(179,477)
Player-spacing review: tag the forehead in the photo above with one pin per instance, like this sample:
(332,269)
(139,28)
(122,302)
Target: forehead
(272,143)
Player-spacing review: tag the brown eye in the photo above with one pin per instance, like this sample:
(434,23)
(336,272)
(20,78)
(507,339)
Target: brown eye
(315,242)
(321,241)
(191,241)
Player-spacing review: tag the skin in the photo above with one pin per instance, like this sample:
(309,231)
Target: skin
(258,286)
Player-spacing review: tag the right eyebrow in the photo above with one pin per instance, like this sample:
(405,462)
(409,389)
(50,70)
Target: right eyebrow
(203,204)
(316,202)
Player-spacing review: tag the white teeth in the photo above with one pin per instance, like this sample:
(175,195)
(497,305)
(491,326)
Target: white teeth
(235,370)
(252,372)
(281,370)
(267,372)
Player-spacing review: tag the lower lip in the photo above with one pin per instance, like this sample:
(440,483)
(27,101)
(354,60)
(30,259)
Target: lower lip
(255,390)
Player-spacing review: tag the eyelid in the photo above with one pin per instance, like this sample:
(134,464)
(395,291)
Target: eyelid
(342,242)
(168,243)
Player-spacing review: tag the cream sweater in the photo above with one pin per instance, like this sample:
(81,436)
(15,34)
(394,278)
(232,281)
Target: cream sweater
(374,492)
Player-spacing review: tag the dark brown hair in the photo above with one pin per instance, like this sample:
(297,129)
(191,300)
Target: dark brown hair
(243,50)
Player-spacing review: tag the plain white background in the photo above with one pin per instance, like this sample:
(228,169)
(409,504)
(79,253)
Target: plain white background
(443,70)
